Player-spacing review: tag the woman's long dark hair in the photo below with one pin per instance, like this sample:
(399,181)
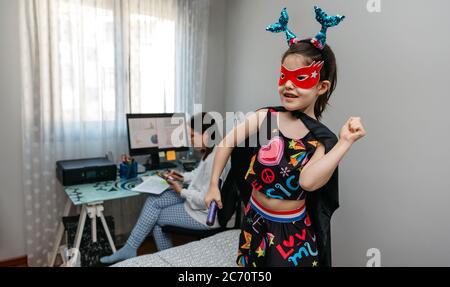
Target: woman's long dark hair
(328,72)
(201,129)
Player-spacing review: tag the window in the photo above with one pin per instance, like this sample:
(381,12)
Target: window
(152,63)
(89,49)
(87,66)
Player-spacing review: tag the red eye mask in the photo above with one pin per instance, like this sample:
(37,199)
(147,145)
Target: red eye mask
(304,78)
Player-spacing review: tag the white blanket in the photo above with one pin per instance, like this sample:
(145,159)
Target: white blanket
(219,250)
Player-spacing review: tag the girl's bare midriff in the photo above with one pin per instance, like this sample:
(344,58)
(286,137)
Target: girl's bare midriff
(277,204)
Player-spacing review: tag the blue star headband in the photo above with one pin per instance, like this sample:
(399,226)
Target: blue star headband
(319,40)
(281,26)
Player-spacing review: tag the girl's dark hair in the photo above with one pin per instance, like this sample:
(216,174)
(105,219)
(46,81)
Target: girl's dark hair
(328,72)
(206,121)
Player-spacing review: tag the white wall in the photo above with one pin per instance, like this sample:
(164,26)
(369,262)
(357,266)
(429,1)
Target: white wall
(393,72)
(12,241)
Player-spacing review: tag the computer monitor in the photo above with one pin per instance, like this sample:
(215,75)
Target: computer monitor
(149,134)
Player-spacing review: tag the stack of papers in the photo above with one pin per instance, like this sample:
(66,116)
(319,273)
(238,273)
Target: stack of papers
(152,184)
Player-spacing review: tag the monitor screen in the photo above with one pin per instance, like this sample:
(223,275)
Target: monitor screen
(151,132)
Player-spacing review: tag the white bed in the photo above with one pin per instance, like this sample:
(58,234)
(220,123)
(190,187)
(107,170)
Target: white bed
(219,250)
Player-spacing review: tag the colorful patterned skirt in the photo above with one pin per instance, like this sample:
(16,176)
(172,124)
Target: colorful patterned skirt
(276,239)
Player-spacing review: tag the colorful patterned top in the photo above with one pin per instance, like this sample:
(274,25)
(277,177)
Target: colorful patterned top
(275,168)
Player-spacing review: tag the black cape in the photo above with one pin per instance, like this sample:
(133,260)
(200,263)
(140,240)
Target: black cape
(320,204)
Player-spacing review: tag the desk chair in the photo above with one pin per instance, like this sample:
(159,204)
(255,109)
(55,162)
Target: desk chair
(230,199)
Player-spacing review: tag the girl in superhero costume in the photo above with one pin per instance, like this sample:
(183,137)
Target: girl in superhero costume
(289,181)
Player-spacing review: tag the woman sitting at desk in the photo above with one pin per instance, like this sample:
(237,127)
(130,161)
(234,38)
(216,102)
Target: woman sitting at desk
(176,207)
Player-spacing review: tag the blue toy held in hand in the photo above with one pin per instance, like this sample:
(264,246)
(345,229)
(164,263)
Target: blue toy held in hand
(212,214)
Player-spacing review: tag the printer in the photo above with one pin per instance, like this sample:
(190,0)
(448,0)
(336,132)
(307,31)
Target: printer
(89,170)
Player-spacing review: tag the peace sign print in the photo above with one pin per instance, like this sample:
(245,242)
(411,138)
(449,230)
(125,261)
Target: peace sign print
(267,175)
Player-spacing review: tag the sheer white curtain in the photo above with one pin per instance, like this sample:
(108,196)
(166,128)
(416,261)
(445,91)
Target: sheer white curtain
(191,54)
(86,63)
(168,48)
